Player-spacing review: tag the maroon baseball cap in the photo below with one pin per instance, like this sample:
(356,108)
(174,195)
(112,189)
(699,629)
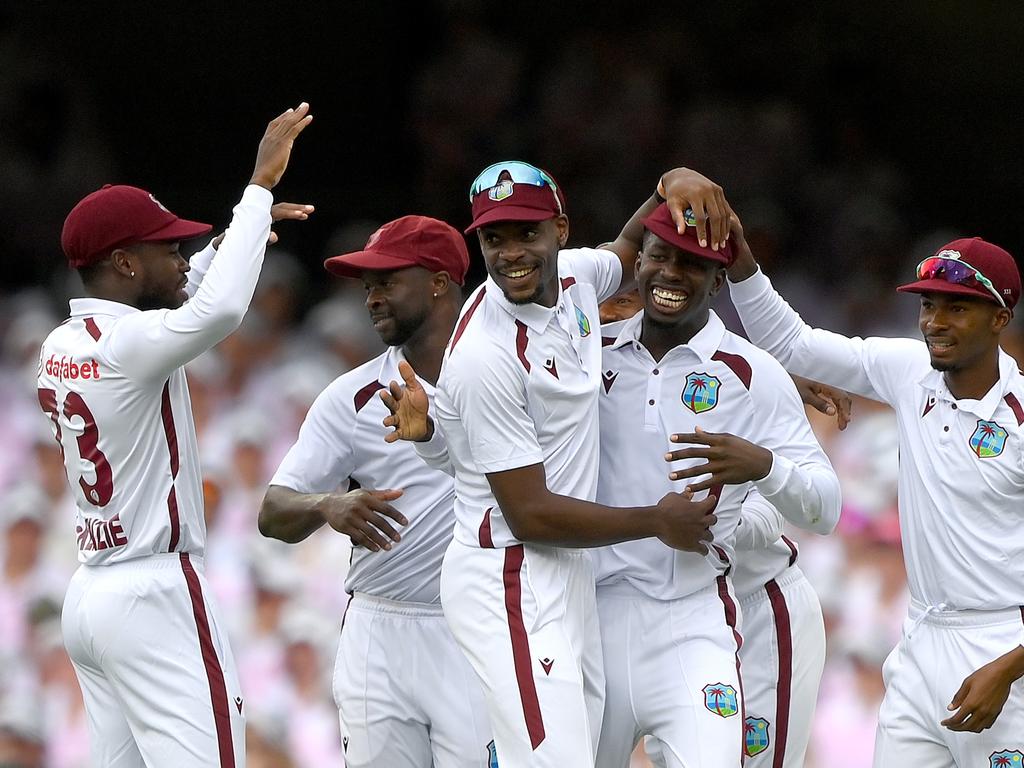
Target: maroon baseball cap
(987,271)
(661,223)
(411,241)
(118,215)
(514,191)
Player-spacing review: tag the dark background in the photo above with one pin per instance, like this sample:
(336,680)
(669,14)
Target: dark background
(898,118)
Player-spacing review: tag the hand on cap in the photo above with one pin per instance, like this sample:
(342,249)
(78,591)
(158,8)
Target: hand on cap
(409,406)
(276,145)
(685,188)
(825,399)
(278,212)
(744,265)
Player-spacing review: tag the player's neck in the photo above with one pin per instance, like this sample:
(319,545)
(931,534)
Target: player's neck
(973,382)
(425,349)
(659,339)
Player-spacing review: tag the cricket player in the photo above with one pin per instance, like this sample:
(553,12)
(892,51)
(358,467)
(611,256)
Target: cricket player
(953,691)
(406,695)
(151,656)
(516,416)
(669,620)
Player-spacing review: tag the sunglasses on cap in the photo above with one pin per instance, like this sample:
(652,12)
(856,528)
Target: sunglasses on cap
(519,172)
(957,272)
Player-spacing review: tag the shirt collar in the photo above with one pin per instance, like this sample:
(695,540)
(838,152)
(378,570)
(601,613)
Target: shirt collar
(534,316)
(704,343)
(91,306)
(985,408)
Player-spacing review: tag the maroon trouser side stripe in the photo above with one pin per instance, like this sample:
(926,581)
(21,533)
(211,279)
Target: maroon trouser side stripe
(730,619)
(214,673)
(521,644)
(784,636)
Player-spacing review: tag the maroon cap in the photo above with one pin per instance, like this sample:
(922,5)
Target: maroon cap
(411,241)
(661,223)
(118,215)
(990,260)
(516,201)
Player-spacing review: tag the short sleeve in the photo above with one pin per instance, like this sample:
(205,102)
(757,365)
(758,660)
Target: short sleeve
(594,266)
(322,458)
(487,397)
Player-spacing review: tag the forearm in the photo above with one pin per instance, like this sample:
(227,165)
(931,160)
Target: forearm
(563,521)
(289,515)
(199,264)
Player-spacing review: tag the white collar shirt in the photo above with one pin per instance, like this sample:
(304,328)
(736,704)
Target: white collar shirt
(721,383)
(519,386)
(342,441)
(961,470)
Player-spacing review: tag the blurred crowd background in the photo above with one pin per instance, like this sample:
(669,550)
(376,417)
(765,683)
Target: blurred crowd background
(851,140)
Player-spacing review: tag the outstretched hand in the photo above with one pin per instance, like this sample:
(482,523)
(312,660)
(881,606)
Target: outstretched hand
(825,399)
(686,189)
(361,515)
(731,460)
(276,145)
(278,212)
(409,406)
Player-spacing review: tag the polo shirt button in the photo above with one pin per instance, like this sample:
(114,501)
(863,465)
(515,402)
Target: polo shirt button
(656,371)
(954,406)
(945,429)
(650,402)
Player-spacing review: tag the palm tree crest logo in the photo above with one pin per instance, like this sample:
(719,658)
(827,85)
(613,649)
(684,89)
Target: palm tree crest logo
(1006,759)
(700,392)
(988,440)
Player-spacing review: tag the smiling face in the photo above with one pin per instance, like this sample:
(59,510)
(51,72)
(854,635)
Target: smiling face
(160,274)
(676,287)
(522,258)
(399,301)
(960,331)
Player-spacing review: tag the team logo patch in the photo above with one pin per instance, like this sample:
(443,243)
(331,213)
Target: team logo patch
(755,735)
(583,322)
(948,253)
(501,190)
(608,378)
(988,440)
(720,698)
(492,756)
(700,393)
(1006,759)
(689,218)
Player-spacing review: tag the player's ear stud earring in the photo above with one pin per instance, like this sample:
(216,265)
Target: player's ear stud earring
(435,295)
(131,274)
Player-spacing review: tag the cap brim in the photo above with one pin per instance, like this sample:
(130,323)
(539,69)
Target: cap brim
(671,236)
(508,213)
(937,285)
(355,263)
(179,229)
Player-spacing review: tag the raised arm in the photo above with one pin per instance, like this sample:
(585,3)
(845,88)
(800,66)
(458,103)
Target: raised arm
(152,344)
(694,200)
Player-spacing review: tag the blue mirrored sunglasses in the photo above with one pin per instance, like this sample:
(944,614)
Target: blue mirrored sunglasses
(519,172)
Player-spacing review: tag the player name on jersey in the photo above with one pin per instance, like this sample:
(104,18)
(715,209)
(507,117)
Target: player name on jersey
(67,368)
(97,534)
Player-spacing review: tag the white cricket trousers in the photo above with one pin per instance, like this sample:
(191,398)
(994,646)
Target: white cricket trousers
(673,674)
(406,696)
(938,650)
(782,657)
(156,671)
(526,619)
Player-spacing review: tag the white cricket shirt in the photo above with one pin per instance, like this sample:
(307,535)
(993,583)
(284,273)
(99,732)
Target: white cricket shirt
(961,471)
(721,383)
(763,552)
(111,380)
(342,439)
(519,386)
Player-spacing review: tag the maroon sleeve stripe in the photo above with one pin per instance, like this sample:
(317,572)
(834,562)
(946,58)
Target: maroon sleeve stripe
(364,395)
(568,282)
(521,343)
(466,318)
(737,365)
(521,645)
(214,672)
(1014,403)
(92,328)
(783,691)
(172,449)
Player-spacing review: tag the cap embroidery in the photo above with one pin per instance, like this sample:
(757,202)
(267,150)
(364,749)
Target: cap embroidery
(501,190)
